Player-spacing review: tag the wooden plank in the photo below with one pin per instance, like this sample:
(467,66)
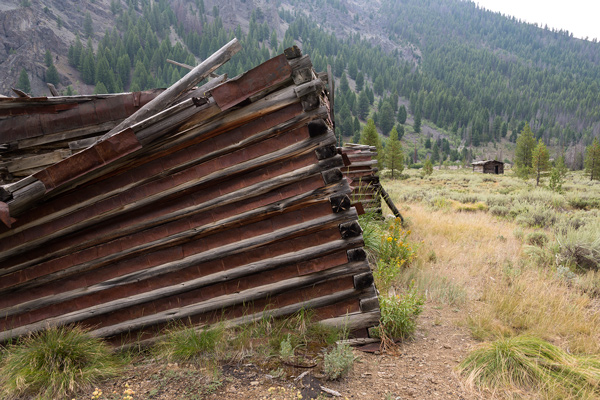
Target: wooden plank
(186,83)
(37,161)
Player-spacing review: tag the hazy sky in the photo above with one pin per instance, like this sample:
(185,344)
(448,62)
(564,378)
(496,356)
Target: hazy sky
(582,17)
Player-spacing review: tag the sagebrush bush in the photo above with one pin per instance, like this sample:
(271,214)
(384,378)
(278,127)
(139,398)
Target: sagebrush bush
(537,238)
(338,362)
(499,211)
(54,363)
(580,248)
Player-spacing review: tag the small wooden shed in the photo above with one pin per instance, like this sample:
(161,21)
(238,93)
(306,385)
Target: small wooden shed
(488,167)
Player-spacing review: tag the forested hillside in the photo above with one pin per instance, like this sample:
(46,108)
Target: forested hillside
(473,75)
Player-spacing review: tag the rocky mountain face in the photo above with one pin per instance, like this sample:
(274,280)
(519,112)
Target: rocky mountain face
(30,27)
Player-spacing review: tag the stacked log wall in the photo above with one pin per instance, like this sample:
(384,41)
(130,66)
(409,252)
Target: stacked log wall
(361,171)
(241,210)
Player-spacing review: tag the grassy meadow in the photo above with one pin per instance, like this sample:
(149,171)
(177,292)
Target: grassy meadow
(522,263)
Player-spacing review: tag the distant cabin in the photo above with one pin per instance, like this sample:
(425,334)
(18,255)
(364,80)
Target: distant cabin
(488,167)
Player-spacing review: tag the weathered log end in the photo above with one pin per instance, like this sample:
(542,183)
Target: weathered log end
(322,153)
(357,255)
(371,304)
(332,176)
(292,52)
(363,281)
(350,229)
(317,128)
(340,203)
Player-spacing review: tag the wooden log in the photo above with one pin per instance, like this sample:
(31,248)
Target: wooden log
(332,176)
(276,130)
(266,314)
(213,254)
(20,93)
(331,82)
(302,70)
(36,161)
(350,229)
(52,89)
(218,303)
(244,194)
(186,83)
(370,304)
(296,149)
(354,321)
(325,152)
(363,281)
(292,52)
(222,276)
(317,127)
(357,255)
(390,204)
(340,203)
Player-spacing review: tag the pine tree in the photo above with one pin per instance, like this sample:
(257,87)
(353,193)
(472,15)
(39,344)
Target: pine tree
(394,155)
(360,81)
(540,161)
(371,137)
(402,114)
(23,82)
(427,168)
(48,59)
(417,123)
(524,152)
(386,118)
(592,160)
(52,75)
(363,105)
(88,26)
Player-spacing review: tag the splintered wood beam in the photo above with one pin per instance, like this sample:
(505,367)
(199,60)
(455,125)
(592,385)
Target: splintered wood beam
(182,65)
(186,83)
(52,89)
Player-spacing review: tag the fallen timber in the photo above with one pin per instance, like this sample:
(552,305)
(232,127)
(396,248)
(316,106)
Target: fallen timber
(226,201)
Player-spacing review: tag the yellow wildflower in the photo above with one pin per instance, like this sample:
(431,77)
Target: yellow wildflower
(389,239)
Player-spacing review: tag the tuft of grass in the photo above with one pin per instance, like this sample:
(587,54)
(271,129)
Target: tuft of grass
(55,363)
(532,364)
(183,343)
(338,362)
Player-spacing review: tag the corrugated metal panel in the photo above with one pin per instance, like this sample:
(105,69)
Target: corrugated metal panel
(227,217)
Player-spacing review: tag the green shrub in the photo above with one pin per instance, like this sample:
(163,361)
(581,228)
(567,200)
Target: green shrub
(399,314)
(539,217)
(338,362)
(530,363)
(499,211)
(55,363)
(536,239)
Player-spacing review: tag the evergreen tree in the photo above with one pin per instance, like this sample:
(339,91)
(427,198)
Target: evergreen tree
(88,26)
(402,114)
(417,123)
(360,81)
(524,152)
(23,82)
(100,89)
(48,59)
(363,105)
(52,75)
(371,137)
(427,168)
(540,161)
(394,155)
(592,160)
(386,118)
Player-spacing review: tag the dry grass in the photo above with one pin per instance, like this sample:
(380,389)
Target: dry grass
(509,288)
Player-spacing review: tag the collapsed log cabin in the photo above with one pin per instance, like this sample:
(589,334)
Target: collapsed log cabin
(221,202)
(361,172)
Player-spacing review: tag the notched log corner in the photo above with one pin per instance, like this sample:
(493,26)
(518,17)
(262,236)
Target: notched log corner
(371,304)
(332,176)
(356,255)
(325,152)
(340,203)
(350,229)
(292,52)
(363,281)
(317,127)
